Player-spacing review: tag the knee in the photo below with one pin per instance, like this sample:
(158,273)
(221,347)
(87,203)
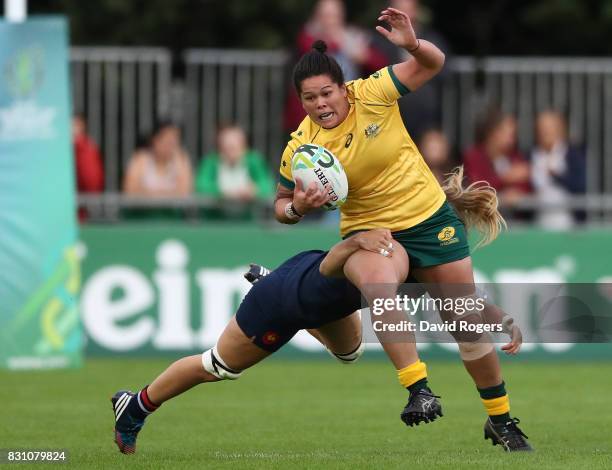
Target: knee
(216,368)
(207,377)
(380,276)
(474,350)
(378,284)
(351,357)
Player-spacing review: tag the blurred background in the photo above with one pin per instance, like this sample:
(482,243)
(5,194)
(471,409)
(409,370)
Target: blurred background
(180,111)
(517,90)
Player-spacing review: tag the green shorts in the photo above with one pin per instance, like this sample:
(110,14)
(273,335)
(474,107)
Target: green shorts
(438,240)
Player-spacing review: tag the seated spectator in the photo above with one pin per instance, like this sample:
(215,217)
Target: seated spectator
(495,158)
(88,162)
(161,169)
(436,151)
(558,170)
(234,172)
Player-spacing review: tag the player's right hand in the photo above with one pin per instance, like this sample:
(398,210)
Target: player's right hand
(378,240)
(307,199)
(516,340)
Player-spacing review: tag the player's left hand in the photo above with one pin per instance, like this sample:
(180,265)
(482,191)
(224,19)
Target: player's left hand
(516,340)
(377,240)
(402,33)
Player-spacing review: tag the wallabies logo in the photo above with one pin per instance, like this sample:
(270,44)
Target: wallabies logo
(447,236)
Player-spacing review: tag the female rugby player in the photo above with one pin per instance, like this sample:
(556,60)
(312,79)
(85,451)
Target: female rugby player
(265,321)
(391,186)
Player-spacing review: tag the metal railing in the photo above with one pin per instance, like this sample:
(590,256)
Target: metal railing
(581,88)
(114,207)
(246,87)
(122,92)
(110,207)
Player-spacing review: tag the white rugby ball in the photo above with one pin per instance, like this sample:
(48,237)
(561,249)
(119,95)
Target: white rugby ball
(313,162)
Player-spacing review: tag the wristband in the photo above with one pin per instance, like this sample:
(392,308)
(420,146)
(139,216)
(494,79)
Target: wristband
(291,213)
(415,49)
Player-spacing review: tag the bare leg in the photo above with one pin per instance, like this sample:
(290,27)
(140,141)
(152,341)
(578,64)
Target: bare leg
(341,336)
(485,371)
(378,277)
(233,346)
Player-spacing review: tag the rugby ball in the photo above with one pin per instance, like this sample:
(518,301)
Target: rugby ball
(314,163)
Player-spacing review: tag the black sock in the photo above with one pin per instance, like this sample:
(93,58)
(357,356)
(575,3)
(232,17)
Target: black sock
(500,418)
(418,385)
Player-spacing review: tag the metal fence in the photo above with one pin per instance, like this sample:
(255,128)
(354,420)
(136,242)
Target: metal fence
(235,86)
(121,92)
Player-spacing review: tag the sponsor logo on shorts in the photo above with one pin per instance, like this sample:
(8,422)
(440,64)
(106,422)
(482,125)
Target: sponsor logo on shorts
(447,236)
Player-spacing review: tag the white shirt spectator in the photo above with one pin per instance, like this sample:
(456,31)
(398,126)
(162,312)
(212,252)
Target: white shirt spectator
(548,190)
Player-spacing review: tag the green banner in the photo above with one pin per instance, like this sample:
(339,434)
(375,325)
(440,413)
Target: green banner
(39,270)
(156,290)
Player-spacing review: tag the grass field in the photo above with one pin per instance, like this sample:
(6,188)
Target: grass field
(316,414)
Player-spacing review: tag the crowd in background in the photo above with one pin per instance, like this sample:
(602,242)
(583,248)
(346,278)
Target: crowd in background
(550,171)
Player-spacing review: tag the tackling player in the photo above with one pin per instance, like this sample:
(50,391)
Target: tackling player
(265,321)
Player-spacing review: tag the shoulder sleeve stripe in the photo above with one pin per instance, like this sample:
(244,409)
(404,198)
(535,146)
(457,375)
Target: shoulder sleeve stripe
(401,88)
(286,182)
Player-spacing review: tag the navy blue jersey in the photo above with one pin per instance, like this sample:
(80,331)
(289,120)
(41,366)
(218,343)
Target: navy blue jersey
(293,297)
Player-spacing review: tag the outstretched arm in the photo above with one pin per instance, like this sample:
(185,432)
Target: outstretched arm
(376,240)
(426,59)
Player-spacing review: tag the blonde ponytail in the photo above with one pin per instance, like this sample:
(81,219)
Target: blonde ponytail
(476,205)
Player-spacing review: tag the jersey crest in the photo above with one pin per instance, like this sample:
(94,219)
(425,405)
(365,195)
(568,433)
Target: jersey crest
(372,130)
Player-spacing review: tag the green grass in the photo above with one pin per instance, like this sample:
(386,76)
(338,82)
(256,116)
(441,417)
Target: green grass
(315,414)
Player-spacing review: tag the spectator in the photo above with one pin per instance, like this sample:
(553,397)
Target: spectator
(234,172)
(420,110)
(558,170)
(352,47)
(495,157)
(435,149)
(88,162)
(161,169)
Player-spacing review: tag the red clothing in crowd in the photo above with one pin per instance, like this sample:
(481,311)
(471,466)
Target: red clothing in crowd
(479,167)
(88,163)
(375,59)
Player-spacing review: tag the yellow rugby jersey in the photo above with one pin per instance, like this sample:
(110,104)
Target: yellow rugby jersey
(390,185)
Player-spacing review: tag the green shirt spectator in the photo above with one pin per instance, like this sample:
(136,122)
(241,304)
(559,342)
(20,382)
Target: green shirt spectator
(234,173)
(212,173)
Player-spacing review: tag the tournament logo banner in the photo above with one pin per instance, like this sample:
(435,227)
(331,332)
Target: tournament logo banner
(39,270)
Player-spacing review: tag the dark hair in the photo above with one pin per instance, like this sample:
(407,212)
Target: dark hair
(162,125)
(488,121)
(316,62)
